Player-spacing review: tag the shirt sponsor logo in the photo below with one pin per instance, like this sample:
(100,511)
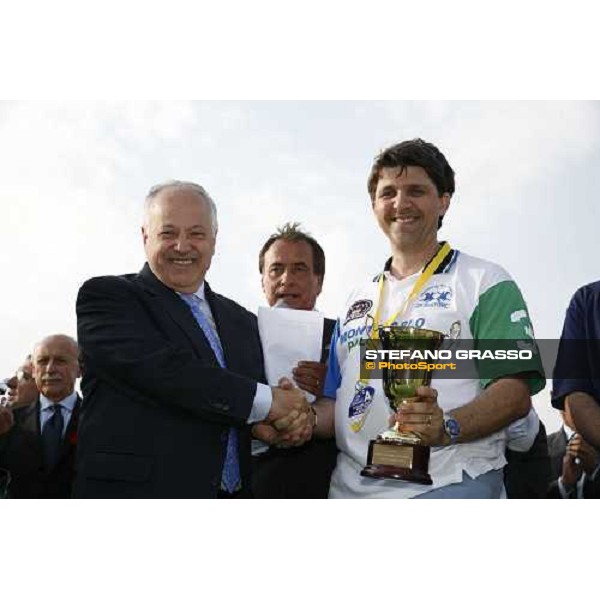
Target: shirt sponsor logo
(352,337)
(362,331)
(359,309)
(435,296)
(418,323)
(360,406)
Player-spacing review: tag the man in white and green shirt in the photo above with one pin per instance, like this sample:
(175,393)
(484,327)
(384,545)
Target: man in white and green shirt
(426,284)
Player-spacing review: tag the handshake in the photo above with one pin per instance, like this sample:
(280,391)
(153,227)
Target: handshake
(290,421)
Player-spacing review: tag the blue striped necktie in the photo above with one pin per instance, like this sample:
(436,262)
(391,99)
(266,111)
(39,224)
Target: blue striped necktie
(231,478)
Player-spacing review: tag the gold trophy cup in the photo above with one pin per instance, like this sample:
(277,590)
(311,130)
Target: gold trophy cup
(399,454)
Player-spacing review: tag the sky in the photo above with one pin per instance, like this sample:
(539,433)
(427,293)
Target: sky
(75,175)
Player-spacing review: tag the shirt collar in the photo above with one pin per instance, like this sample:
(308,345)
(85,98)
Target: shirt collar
(568,431)
(68,402)
(199,293)
(444,266)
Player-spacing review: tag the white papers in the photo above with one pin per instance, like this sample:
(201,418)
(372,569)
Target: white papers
(289,336)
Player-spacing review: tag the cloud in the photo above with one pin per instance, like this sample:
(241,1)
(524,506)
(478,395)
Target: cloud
(65,216)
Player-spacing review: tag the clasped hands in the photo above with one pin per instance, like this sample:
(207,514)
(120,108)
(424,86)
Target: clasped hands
(578,448)
(290,421)
(422,415)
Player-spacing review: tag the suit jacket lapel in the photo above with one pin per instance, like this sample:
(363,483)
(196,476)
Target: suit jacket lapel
(557,443)
(31,419)
(177,310)
(561,442)
(30,424)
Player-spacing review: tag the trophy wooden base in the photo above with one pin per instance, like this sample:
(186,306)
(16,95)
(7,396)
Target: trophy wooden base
(391,459)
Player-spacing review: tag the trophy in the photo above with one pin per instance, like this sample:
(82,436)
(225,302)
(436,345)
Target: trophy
(399,454)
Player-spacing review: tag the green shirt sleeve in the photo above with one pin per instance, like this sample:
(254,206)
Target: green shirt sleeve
(501,321)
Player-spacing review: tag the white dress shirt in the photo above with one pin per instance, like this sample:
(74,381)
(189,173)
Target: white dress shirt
(66,408)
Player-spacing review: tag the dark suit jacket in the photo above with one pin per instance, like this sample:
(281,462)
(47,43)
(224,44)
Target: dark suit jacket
(303,472)
(557,447)
(21,453)
(158,407)
(328,327)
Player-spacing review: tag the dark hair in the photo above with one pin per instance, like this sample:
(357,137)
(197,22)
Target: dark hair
(291,232)
(414,153)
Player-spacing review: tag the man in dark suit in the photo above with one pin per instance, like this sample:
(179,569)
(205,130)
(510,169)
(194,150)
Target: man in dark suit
(292,267)
(574,463)
(39,448)
(172,369)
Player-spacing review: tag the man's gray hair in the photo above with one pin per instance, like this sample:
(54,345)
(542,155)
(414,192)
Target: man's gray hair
(57,336)
(189,186)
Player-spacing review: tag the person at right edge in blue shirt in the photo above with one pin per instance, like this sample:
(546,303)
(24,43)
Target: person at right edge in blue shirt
(577,372)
